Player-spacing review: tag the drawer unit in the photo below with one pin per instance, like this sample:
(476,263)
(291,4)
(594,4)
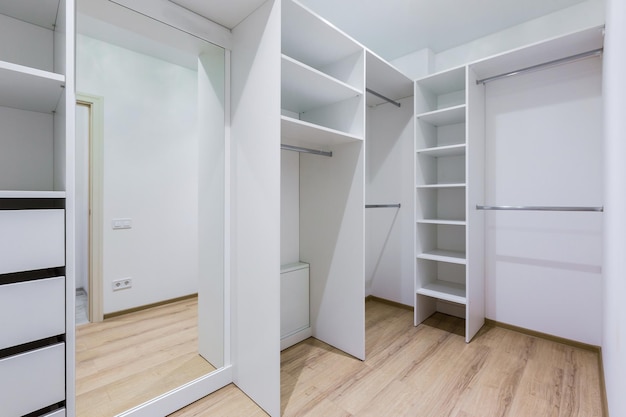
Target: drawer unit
(32,310)
(31,240)
(294,298)
(33,380)
(57,413)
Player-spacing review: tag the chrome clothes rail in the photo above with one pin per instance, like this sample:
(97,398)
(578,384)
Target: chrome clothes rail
(382,205)
(387,99)
(541,208)
(305,150)
(592,53)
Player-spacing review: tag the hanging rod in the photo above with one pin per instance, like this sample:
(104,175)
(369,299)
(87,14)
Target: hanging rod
(595,52)
(387,99)
(540,208)
(382,205)
(305,150)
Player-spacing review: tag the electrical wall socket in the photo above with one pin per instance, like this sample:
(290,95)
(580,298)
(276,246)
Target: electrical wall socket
(122,284)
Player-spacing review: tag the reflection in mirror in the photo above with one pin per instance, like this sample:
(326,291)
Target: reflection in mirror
(161,156)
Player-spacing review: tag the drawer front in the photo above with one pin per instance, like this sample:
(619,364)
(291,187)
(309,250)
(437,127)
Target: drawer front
(33,380)
(57,413)
(31,239)
(31,311)
(294,301)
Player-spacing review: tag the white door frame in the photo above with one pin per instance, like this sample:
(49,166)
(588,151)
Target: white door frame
(96,169)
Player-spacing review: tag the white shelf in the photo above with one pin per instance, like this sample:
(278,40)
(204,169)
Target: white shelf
(444,82)
(382,77)
(31,194)
(442,221)
(444,290)
(304,88)
(446,116)
(444,256)
(448,150)
(29,88)
(435,186)
(312,40)
(38,12)
(300,133)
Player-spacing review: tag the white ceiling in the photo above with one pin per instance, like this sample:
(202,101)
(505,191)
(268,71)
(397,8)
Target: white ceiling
(393,28)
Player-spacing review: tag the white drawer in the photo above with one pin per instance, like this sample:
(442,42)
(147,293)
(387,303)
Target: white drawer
(31,311)
(294,299)
(33,380)
(31,239)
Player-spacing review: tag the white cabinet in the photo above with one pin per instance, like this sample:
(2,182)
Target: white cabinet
(294,304)
(36,191)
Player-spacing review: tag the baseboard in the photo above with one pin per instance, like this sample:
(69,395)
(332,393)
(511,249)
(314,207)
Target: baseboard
(389,302)
(547,336)
(147,306)
(295,338)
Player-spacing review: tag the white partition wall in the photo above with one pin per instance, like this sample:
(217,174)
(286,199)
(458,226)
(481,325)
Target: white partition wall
(255,200)
(332,242)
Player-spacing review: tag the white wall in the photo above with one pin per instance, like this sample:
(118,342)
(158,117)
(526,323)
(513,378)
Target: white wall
(389,255)
(289,207)
(614,333)
(150,171)
(580,16)
(544,148)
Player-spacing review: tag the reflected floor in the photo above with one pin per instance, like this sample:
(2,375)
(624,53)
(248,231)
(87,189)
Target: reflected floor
(127,360)
(82,304)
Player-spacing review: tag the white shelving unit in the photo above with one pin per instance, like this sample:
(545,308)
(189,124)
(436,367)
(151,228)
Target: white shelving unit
(323,108)
(442,167)
(36,190)
(322,82)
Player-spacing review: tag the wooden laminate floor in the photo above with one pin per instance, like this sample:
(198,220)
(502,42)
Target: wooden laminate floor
(427,371)
(127,360)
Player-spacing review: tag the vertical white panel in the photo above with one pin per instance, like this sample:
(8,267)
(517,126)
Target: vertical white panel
(289,207)
(543,148)
(389,254)
(332,242)
(82,196)
(475,233)
(211,180)
(614,332)
(255,232)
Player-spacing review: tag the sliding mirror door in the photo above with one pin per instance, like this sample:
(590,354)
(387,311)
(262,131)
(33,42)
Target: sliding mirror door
(151,125)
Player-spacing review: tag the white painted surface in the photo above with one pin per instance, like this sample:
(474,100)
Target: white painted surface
(26,160)
(211,205)
(41,371)
(289,207)
(332,242)
(32,310)
(228,14)
(35,48)
(150,171)
(31,239)
(614,325)
(544,270)
(475,233)
(389,253)
(255,229)
(37,12)
(398,27)
(29,89)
